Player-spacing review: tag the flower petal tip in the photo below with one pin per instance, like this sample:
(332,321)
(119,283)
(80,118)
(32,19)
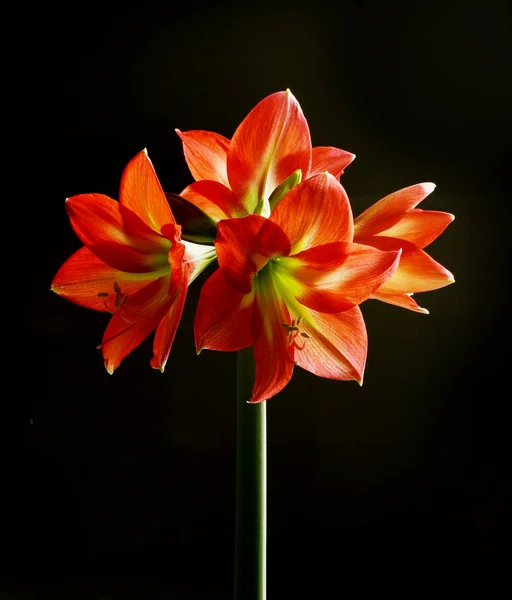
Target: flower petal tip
(109,367)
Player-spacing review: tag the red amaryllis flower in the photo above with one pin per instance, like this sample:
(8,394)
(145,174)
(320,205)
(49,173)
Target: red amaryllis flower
(289,285)
(394,223)
(269,153)
(133,264)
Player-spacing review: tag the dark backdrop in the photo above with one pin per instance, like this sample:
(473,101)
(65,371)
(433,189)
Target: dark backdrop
(400,484)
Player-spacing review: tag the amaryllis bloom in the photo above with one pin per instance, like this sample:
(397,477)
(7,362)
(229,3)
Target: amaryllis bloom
(132,265)
(269,153)
(395,223)
(289,285)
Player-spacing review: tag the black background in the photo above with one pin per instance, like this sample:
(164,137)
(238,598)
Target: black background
(400,485)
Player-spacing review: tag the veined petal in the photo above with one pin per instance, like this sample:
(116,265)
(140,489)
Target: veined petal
(336,345)
(141,193)
(166,330)
(274,365)
(336,276)
(389,210)
(97,221)
(402,300)
(131,325)
(245,245)
(270,144)
(206,154)
(327,158)
(224,316)
(214,199)
(420,227)
(86,280)
(316,211)
(417,271)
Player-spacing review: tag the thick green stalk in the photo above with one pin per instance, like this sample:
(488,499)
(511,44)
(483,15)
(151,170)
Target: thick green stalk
(251,486)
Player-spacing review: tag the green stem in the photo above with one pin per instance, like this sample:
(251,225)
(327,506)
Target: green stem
(251,486)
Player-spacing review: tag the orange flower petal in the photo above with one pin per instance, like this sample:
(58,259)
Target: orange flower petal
(141,193)
(224,316)
(136,319)
(402,300)
(420,227)
(417,271)
(166,330)
(316,211)
(274,365)
(270,144)
(388,211)
(214,199)
(206,155)
(83,276)
(245,245)
(327,158)
(336,347)
(97,221)
(336,276)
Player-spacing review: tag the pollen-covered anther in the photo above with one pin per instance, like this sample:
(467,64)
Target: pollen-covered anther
(115,303)
(293,332)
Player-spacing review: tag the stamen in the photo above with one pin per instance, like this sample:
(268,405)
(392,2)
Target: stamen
(293,330)
(119,299)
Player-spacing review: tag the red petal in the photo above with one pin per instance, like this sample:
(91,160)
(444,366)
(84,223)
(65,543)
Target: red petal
(417,271)
(206,154)
(336,347)
(316,211)
(166,330)
(214,199)
(388,211)
(327,158)
(141,193)
(340,275)
(245,245)
(270,144)
(421,227)
(224,316)
(129,327)
(274,365)
(402,300)
(83,276)
(97,221)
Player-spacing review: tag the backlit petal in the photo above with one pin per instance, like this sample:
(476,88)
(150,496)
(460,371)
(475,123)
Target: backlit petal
(224,316)
(336,347)
(421,227)
(97,221)
(327,158)
(270,144)
(83,276)
(245,245)
(417,271)
(141,192)
(214,199)
(337,276)
(206,154)
(316,211)
(274,365)
(129,327)
(402,300)
(389,210)
(166,330)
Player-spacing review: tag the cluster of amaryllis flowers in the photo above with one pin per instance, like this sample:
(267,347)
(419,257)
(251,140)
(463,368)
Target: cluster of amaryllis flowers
(293,263)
